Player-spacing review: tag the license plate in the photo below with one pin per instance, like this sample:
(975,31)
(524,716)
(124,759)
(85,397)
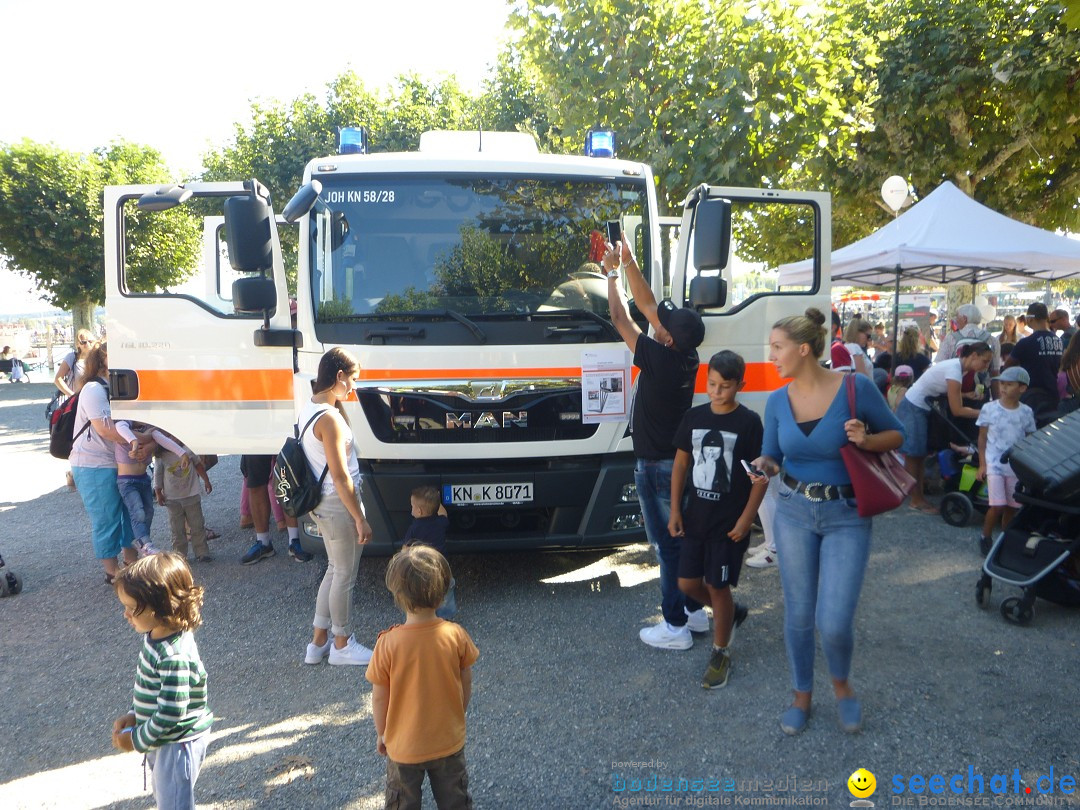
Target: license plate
(486,494)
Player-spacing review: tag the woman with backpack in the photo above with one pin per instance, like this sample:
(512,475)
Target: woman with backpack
(328,444)
(93,464)
(68,373)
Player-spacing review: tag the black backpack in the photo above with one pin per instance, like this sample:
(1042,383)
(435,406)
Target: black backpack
(295,486)
(62,433)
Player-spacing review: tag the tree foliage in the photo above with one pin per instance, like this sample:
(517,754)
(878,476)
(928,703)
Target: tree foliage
(982,94)
(51,222)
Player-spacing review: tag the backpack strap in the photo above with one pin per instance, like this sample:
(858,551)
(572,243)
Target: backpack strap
(300,436)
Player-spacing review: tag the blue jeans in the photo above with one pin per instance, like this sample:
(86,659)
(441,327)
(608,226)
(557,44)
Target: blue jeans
(137,492)
(175,769)
(653,481)
(822,550)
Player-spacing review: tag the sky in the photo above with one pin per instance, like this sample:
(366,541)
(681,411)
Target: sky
(177,76)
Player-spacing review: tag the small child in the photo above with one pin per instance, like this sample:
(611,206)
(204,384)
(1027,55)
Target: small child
(715,439)
(176,487)
(429,526)
(169,720)
(1002,423)
(421,676)
(136,488)
(898,388)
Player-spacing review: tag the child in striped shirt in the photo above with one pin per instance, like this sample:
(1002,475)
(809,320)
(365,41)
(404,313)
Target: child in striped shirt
(169,720)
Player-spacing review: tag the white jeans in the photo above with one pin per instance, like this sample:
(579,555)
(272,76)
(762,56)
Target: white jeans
(333,605)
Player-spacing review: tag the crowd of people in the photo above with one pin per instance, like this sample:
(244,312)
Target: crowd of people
(703,474)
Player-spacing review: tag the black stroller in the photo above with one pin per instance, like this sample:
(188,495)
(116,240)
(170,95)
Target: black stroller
(964,493)
(1039,551)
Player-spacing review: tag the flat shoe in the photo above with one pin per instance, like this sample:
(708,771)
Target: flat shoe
(793,720)
(850,714)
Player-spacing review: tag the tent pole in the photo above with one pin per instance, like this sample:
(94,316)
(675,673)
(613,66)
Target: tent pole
(895,323)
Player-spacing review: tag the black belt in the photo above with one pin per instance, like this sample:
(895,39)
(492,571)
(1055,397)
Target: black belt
(820,492)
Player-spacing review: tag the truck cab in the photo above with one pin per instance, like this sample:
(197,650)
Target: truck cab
(464,277)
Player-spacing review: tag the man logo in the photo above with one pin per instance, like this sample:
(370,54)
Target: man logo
(486,419)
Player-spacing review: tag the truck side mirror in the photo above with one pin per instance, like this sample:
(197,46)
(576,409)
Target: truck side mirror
(707,292)
(712,234)
(248,221)
(301,201)
(253,295)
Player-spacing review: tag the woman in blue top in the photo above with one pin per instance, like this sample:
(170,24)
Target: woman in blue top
(822,543)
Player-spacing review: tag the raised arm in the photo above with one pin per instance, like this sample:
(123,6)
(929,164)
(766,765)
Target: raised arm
(620,313)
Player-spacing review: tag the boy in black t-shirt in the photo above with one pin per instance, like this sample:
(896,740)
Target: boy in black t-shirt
(713,441)
(428,528)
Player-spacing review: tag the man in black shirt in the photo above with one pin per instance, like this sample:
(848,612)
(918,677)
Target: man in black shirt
(1039,354)
(664,391)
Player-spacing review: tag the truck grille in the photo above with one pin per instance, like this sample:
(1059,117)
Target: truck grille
(399,416)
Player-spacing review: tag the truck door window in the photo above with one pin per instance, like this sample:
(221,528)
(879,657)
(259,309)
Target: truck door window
(764,236)
(198,265)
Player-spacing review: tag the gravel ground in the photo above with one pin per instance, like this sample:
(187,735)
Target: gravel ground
(568,705)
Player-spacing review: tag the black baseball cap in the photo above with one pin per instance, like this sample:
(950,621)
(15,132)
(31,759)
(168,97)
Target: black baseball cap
(1037,310)
(685,324)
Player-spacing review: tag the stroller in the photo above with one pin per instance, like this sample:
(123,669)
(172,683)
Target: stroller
(1039,551)
(964,493)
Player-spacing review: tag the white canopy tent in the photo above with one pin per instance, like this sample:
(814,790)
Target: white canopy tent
(947,238)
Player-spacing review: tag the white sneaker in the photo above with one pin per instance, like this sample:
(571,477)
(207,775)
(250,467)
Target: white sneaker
(352,653)
(316,653)
(666,637)
(145,547)
(762,558)
(697,621)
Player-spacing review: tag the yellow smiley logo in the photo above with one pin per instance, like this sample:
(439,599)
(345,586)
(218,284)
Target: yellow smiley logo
(862,784)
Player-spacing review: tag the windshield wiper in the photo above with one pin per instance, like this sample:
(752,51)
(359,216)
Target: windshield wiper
(588,314)
(478,333)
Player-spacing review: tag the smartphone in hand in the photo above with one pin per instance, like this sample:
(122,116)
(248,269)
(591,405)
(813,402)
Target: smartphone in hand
(614,232)
(751,470)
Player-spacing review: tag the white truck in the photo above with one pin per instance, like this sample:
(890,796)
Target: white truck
(458,275)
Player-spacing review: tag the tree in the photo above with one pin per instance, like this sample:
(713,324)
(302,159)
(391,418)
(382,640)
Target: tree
(982,94)
(51,222)
(739,93)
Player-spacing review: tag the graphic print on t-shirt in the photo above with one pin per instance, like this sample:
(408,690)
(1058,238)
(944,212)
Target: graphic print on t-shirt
(714,453)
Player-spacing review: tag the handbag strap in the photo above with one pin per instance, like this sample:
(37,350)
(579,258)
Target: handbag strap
(850,383)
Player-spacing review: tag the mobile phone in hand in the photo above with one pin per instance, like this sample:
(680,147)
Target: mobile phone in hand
(751,470)
(614,232)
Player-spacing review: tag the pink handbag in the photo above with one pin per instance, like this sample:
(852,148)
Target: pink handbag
(879,479)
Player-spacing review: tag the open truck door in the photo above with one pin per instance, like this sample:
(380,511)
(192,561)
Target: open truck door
(732,243)
(211,358)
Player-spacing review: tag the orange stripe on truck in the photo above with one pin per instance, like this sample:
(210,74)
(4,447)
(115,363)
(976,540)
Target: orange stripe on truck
(248,385)
(211,385)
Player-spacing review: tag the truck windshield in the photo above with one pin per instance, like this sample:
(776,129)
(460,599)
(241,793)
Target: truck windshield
(486,249)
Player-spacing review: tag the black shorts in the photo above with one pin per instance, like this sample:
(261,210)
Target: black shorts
(256,470)
(718,559)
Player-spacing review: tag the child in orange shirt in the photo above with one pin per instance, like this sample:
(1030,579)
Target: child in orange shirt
(421,676)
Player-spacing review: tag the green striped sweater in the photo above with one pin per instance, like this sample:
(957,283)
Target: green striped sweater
(170,693)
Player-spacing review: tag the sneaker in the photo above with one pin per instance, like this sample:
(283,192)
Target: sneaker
(737,618)
(716,674)
(666,637)
(204,558)
(145,547)
(697,621)
(316,653)
(297,553)
(762,558)
(353,653)
(257,552)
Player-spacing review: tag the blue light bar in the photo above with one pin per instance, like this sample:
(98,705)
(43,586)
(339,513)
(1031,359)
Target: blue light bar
(600,143)
(352,141)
